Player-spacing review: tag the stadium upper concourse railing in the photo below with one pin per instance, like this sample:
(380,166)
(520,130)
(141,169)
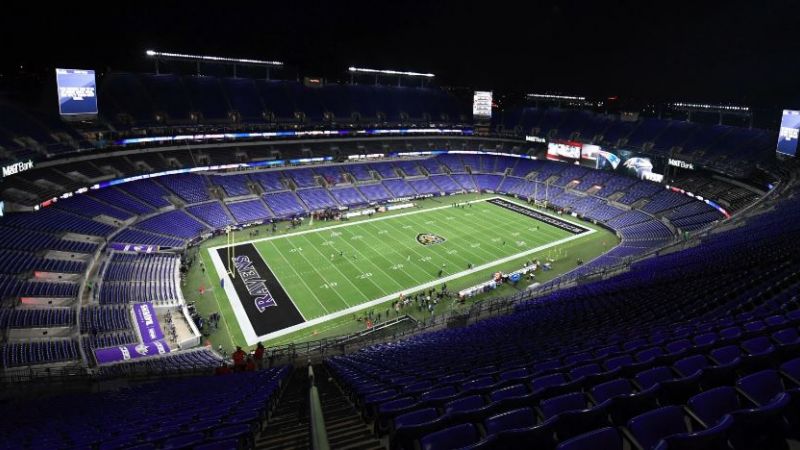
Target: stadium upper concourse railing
(33,374)
(341,345)
(293,353)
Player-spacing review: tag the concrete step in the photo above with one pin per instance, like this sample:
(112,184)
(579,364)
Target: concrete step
(344,425)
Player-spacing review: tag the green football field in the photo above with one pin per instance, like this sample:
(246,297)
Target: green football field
(331,272)
(333,269)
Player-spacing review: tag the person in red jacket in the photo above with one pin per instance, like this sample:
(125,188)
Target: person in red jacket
(238,359)
(250,366)
(259,356)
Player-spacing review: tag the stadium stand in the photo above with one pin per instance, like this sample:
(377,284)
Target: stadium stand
(75,420)
(37,318)
(16,354)
(375,192)
(249,211)
(269,181)
(348,196)
(648,349)
(234,185)
(683,334)
(147,191)
(140,278)
(399,188)
(284,204)
(173,223)
(316,199)
(13,262)
(213,214)
(190,188)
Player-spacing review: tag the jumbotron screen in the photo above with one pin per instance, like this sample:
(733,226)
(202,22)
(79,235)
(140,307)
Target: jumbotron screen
(563,150)
(787,136)
(631,163)
(482,105)
(77,93)
(590,152)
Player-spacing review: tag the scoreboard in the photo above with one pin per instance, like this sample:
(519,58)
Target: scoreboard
(787,136)
(482,105)
(77,92)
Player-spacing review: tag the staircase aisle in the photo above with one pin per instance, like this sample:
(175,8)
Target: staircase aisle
(288,426)
(345,426)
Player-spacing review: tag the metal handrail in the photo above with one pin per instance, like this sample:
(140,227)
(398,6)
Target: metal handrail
(317,430)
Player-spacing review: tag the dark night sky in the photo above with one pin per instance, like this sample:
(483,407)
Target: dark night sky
(732,51)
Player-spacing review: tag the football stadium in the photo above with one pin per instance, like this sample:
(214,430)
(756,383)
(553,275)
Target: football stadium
(316,228)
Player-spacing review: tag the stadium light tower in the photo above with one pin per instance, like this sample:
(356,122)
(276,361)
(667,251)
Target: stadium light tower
(198,59)
(400,74)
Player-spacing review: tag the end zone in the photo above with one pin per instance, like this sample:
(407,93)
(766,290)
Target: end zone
(260,303)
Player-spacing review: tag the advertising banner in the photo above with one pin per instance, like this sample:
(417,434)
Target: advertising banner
(130,351)
(147,322)
(133,247)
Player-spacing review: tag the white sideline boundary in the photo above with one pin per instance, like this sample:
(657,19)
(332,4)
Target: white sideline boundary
(244,322)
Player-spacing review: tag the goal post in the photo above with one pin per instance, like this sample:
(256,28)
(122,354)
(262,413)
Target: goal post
(231,250)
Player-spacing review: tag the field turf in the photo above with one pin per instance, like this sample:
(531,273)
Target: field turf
(324,273)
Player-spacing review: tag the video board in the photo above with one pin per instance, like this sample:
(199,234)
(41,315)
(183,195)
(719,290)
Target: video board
(77,92)
(631,163)
(482,105)
(787,135)
(563,150)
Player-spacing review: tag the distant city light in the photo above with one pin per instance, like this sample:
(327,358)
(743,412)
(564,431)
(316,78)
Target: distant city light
(220,59)
(390,72)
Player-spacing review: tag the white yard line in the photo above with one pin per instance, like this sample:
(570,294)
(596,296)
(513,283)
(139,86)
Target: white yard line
(463,253)
(297,274)
(414,247)
(476,222)
(346,241)
(300,277)
(390,250)
(336,266)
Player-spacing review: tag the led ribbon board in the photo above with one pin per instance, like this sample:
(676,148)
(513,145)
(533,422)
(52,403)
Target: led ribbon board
(294,134)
